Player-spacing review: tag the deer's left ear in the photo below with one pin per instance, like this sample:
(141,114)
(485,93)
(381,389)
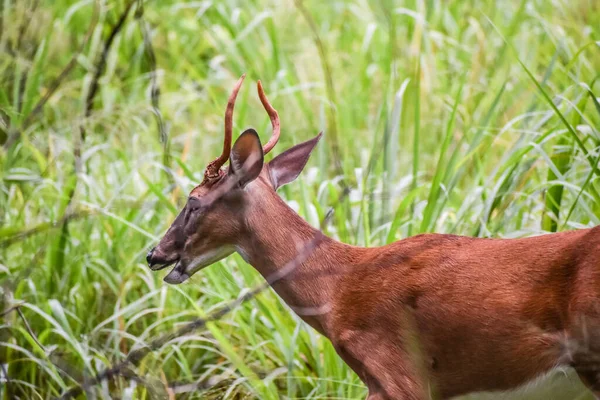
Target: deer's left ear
(246,158)
(287,166)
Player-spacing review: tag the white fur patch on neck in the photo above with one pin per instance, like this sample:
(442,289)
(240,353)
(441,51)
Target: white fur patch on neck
(208,258)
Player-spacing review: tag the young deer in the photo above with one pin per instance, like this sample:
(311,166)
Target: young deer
(428,316)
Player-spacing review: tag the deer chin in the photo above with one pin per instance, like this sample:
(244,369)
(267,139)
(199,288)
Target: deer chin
(183,270)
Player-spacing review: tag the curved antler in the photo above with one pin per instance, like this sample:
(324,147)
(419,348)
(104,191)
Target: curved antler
(212,170)
(274,119)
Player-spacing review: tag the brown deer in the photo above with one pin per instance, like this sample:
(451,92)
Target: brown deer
(429,316)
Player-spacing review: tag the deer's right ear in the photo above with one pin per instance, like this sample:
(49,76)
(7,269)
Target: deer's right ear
(287,166)
(246,158)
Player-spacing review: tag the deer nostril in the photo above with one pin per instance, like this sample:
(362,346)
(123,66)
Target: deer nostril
(149,256)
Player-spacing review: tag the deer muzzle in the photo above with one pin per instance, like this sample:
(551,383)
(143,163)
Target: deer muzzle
(158,260)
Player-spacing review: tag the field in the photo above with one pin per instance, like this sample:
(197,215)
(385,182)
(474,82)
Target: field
(470,117)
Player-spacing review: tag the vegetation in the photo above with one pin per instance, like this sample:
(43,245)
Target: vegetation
(469,117)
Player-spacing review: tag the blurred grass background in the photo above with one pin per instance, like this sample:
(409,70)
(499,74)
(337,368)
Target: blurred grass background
(468,117)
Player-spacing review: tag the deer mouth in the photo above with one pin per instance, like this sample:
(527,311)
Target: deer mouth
(158,267)
(177,275)
(186,268)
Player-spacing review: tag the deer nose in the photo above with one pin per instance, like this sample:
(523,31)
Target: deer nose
(158,260)
(149,256)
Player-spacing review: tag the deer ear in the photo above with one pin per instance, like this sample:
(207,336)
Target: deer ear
(287,166)
(246,158)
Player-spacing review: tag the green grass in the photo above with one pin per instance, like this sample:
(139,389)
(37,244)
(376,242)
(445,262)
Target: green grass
(468,117)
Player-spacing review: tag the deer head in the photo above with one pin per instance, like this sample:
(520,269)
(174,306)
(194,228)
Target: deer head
(217,211)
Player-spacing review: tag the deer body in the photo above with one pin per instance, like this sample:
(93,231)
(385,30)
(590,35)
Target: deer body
(428,316)
(460,315)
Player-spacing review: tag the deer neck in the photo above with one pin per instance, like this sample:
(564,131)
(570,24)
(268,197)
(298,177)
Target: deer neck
(302,263)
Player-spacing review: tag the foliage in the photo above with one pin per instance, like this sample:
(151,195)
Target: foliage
(467,117)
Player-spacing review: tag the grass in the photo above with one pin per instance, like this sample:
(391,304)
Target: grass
(475,118)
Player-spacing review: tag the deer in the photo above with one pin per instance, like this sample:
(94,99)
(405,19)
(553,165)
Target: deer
(428,316)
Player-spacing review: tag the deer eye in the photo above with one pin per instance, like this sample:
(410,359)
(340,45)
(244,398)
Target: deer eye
(194,204)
